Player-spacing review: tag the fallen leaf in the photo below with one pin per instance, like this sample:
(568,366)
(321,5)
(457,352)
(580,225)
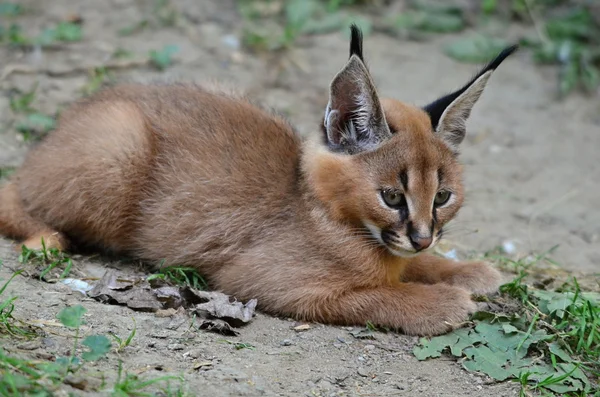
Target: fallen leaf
(170,297)
(219,327)
(218,306)
(172,301)
(108,290)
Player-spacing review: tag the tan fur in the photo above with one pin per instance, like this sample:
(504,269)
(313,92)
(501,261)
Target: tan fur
(206,179)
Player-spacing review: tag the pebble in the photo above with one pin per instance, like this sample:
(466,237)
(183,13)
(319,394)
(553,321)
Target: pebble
(509,247)
(286,342)
(195,353)
(369,347)
(362,372)
(175,346)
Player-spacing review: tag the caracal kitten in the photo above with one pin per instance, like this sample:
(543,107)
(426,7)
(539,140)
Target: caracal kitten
(328,228)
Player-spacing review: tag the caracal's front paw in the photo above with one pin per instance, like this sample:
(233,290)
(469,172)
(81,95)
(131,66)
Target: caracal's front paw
(476,277)
(444,308)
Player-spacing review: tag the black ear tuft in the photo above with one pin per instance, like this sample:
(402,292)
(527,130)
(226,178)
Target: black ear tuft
(356,42)
(437,108)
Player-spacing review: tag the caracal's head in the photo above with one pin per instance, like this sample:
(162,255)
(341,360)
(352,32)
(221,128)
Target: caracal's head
(389,169)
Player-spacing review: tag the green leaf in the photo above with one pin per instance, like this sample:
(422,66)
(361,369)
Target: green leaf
(428,348)
(456,341)
(99,345)
(489,6)
(484,359)
(68,31)
(477,49)
(36,123)
(466,338)
(558,351)
(63,32)
(72,317)
(162,59)
(15,36)
(509,329)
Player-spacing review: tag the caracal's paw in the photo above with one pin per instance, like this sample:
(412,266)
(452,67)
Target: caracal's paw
(52,240)
(444,308)
(476,277)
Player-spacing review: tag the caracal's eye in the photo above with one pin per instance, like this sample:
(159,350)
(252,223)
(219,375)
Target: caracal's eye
(442,198)
(393,198)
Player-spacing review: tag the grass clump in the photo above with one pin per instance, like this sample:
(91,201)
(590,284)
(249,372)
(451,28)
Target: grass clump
(45,261)
(276,25)
(180,275)
(123,343)
(31,377)
(130,385)
(550,344)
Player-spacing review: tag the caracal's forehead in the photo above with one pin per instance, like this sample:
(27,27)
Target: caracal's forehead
(413,148)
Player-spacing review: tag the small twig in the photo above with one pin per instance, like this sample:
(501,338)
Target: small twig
(114,65)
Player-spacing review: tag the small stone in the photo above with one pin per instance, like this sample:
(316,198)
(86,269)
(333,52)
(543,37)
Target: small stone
(369,347)
(361,371)
(194,353)
(286,342)
(402,386)
(175,346)
(361,358)
(151,345)
(302,327)
(165,312)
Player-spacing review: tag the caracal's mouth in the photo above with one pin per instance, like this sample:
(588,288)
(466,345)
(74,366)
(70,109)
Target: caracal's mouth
(394,249)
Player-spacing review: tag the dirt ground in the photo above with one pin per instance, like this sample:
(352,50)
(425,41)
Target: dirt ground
(532,178)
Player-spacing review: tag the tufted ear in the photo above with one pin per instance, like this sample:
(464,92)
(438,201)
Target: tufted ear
(354,119)
(449,113)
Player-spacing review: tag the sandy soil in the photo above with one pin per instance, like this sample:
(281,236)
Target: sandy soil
(533,178)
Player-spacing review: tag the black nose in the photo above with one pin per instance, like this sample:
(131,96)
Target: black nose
(420,242)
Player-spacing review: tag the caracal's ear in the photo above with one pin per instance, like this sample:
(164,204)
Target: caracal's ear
(354,119)
(450,113)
